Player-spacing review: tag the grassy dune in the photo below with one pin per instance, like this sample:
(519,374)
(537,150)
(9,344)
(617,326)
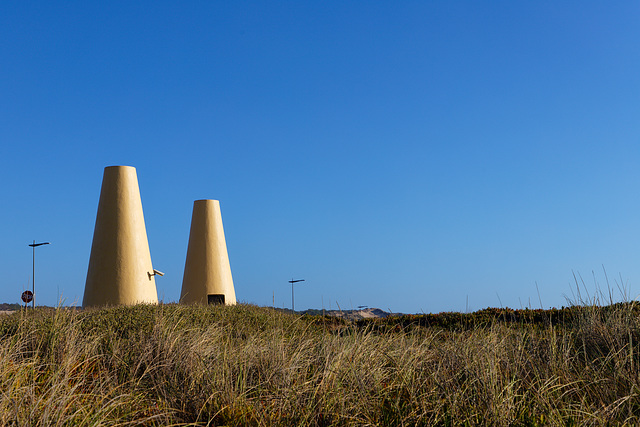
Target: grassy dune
(246,365)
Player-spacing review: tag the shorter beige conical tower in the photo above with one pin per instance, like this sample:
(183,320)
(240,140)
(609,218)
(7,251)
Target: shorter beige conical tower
(207,273)
(120,269)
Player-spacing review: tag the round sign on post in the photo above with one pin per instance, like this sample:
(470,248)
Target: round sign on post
(27,296)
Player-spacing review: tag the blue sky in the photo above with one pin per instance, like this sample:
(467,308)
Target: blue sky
(412,156)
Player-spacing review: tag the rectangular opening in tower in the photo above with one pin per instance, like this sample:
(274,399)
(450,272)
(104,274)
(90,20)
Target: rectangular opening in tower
(215,299)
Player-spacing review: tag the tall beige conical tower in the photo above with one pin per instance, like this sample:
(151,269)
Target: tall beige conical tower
(207,273)
(120,269)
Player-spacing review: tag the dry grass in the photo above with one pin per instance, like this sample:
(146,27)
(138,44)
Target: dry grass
(246,365)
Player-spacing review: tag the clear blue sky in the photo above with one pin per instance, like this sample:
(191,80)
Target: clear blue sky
(410,156)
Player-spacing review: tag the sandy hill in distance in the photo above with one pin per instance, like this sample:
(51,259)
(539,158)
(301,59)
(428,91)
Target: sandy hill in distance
(356,314)
(364,313)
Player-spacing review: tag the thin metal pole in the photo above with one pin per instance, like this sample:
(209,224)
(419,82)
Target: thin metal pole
(33,275)
(33,272)
(292,282)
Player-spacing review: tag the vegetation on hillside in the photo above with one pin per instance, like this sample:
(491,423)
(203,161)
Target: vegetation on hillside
(247,365)
(9,307)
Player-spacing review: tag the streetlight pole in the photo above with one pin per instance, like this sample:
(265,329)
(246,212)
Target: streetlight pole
(33,277)
(292,282)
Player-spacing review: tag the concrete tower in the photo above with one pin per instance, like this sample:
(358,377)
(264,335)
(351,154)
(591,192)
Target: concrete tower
(207,273)
(120,269)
